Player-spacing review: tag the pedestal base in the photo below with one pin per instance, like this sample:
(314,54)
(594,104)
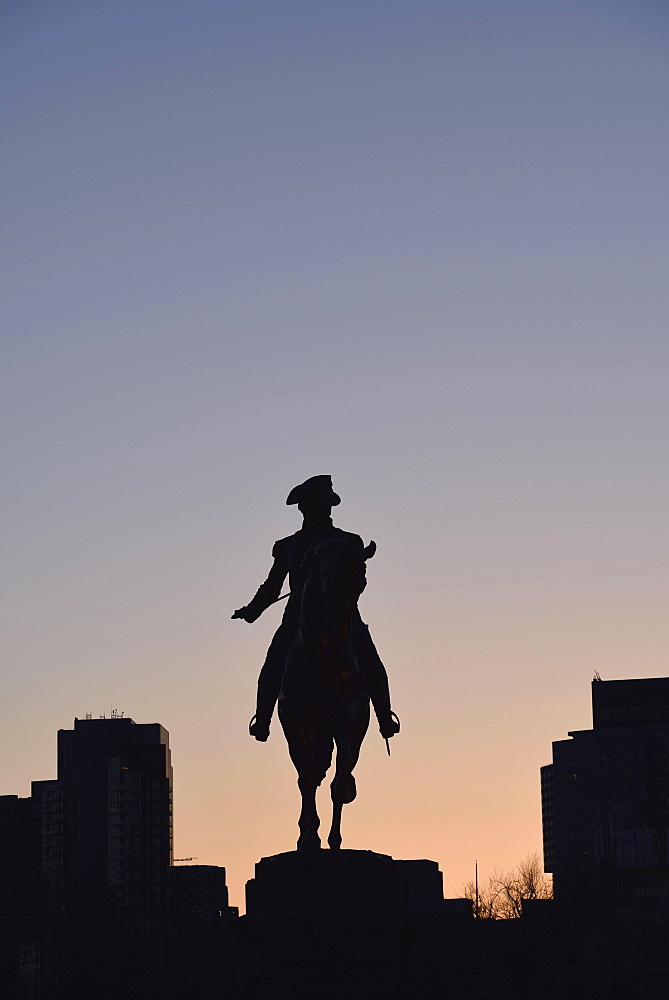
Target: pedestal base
(325,925)
(326,882)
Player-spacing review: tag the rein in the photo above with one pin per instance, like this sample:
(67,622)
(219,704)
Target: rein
(282,598)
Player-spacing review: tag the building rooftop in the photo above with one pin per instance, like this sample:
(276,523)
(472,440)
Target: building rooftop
(630,702)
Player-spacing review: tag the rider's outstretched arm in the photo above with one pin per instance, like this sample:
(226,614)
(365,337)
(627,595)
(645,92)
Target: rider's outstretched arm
(268,591)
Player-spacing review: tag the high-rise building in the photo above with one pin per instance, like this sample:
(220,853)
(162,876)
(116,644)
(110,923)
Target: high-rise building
(605,797)
(107,820)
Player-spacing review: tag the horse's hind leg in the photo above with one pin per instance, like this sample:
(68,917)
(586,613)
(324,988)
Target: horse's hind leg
(311,762)
(334,837)
(342,788)
(308,822)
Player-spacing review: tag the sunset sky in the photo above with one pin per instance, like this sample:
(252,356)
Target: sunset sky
(418,246)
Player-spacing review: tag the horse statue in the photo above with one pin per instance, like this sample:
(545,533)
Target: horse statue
(324,702)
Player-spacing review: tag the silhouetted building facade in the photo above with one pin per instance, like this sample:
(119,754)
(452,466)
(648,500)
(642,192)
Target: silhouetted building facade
(88,859)
(605,797)
(199,893)
(19,854)
(108,819)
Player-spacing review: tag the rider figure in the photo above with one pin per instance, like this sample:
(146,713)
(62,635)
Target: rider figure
(315,499)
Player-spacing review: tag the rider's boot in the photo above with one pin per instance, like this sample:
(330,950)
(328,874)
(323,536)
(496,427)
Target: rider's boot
(389,724)
(259,727)
(376,680)
(377,685)
(266,700)
(269,685)
(379,694)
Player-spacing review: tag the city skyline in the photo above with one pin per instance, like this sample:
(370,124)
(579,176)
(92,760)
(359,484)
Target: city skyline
(92,884)
(100,833)
(417,246)
(94,739)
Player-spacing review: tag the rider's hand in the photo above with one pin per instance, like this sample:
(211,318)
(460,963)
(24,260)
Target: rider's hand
(240,613)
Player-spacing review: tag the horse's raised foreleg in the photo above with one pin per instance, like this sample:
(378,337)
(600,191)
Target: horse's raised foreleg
(343,789)
(308,821)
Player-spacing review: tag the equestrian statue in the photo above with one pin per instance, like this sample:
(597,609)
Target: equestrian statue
(322,666)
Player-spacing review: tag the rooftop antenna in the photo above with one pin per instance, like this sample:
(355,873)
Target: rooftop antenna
(476,883)
(596,677)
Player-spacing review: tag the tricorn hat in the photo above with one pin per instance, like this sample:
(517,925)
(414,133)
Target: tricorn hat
(316,488)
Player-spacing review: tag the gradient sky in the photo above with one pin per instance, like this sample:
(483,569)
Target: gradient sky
(419,246)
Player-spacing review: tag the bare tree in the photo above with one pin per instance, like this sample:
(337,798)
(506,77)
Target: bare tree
(501,895)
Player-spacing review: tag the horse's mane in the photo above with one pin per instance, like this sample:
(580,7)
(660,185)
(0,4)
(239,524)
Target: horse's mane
(321,556)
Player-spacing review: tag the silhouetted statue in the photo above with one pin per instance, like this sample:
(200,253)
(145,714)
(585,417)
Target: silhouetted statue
(322,663)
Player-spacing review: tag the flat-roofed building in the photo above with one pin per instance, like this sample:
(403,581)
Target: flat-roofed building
(605,796)
(115,779)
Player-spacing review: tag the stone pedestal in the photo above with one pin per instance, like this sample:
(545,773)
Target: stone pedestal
(325,925)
